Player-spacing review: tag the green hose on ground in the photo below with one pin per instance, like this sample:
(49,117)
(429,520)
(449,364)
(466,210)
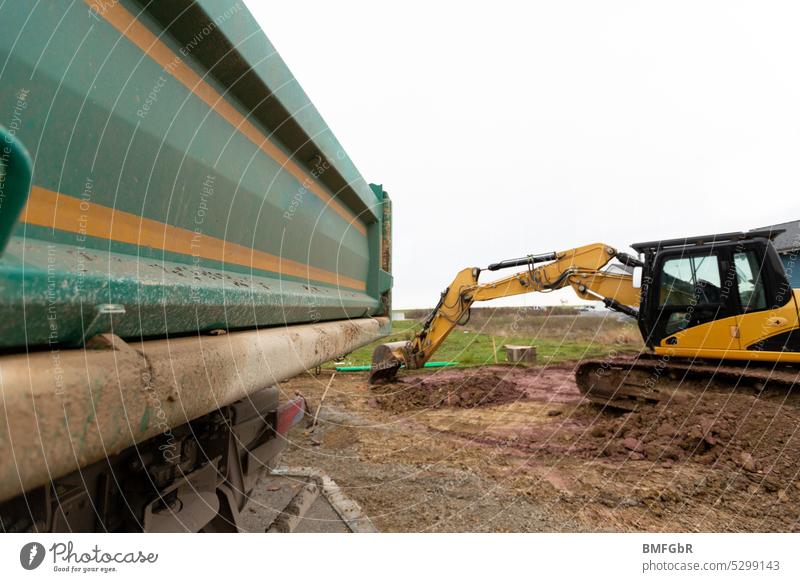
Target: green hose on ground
(368,368)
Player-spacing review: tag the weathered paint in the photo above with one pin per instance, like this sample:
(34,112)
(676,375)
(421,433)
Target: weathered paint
(196,196)
(50,421)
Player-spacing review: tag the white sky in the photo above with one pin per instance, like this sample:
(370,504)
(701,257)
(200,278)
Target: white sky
(537,126)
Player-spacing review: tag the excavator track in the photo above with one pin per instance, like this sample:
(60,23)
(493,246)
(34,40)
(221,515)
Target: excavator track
(629,383)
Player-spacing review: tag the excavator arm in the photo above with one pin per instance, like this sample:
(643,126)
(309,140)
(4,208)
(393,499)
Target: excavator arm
(581,268)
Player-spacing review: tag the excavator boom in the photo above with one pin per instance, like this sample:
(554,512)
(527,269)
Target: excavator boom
(582,268)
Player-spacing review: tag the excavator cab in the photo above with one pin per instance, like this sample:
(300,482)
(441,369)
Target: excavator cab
(707,296)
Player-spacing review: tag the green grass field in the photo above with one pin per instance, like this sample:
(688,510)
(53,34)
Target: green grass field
(557,338)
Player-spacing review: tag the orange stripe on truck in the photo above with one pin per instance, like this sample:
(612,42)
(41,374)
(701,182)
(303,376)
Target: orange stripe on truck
(61,212)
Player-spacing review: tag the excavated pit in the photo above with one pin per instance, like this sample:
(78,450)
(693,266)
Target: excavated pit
(475,387)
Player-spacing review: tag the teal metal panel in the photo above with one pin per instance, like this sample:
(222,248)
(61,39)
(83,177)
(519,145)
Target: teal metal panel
(263,58)
(114,133)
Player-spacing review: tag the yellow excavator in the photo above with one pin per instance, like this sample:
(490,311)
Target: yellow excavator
(712,310)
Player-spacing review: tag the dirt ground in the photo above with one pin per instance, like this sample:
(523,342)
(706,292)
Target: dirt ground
(518,449)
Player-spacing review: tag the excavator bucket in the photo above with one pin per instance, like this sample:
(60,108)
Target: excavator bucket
(386,360)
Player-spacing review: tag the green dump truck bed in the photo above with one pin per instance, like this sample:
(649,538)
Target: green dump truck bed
(182,180)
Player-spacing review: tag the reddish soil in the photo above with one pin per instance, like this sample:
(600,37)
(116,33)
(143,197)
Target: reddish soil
(413,393)
(531,454)
(476,387)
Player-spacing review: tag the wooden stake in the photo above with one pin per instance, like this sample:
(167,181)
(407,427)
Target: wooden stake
(316,414)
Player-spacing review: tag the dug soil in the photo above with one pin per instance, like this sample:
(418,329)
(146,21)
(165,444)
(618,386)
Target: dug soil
(518,449)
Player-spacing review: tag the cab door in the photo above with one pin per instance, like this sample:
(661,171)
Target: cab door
(768,314)
(693,308)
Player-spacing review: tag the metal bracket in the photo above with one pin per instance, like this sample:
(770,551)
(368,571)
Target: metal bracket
(100,324)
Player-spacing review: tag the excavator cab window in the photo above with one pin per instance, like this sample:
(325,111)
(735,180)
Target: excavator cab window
(690,280)
(750,283)
(690,291)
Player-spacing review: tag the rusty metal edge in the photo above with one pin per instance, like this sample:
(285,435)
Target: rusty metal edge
(61,410)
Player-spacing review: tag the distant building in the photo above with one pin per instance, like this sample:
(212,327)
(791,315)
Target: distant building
(787,244)
(398,315)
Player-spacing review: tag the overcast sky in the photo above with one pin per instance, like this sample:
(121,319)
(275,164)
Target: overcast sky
(527,127)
